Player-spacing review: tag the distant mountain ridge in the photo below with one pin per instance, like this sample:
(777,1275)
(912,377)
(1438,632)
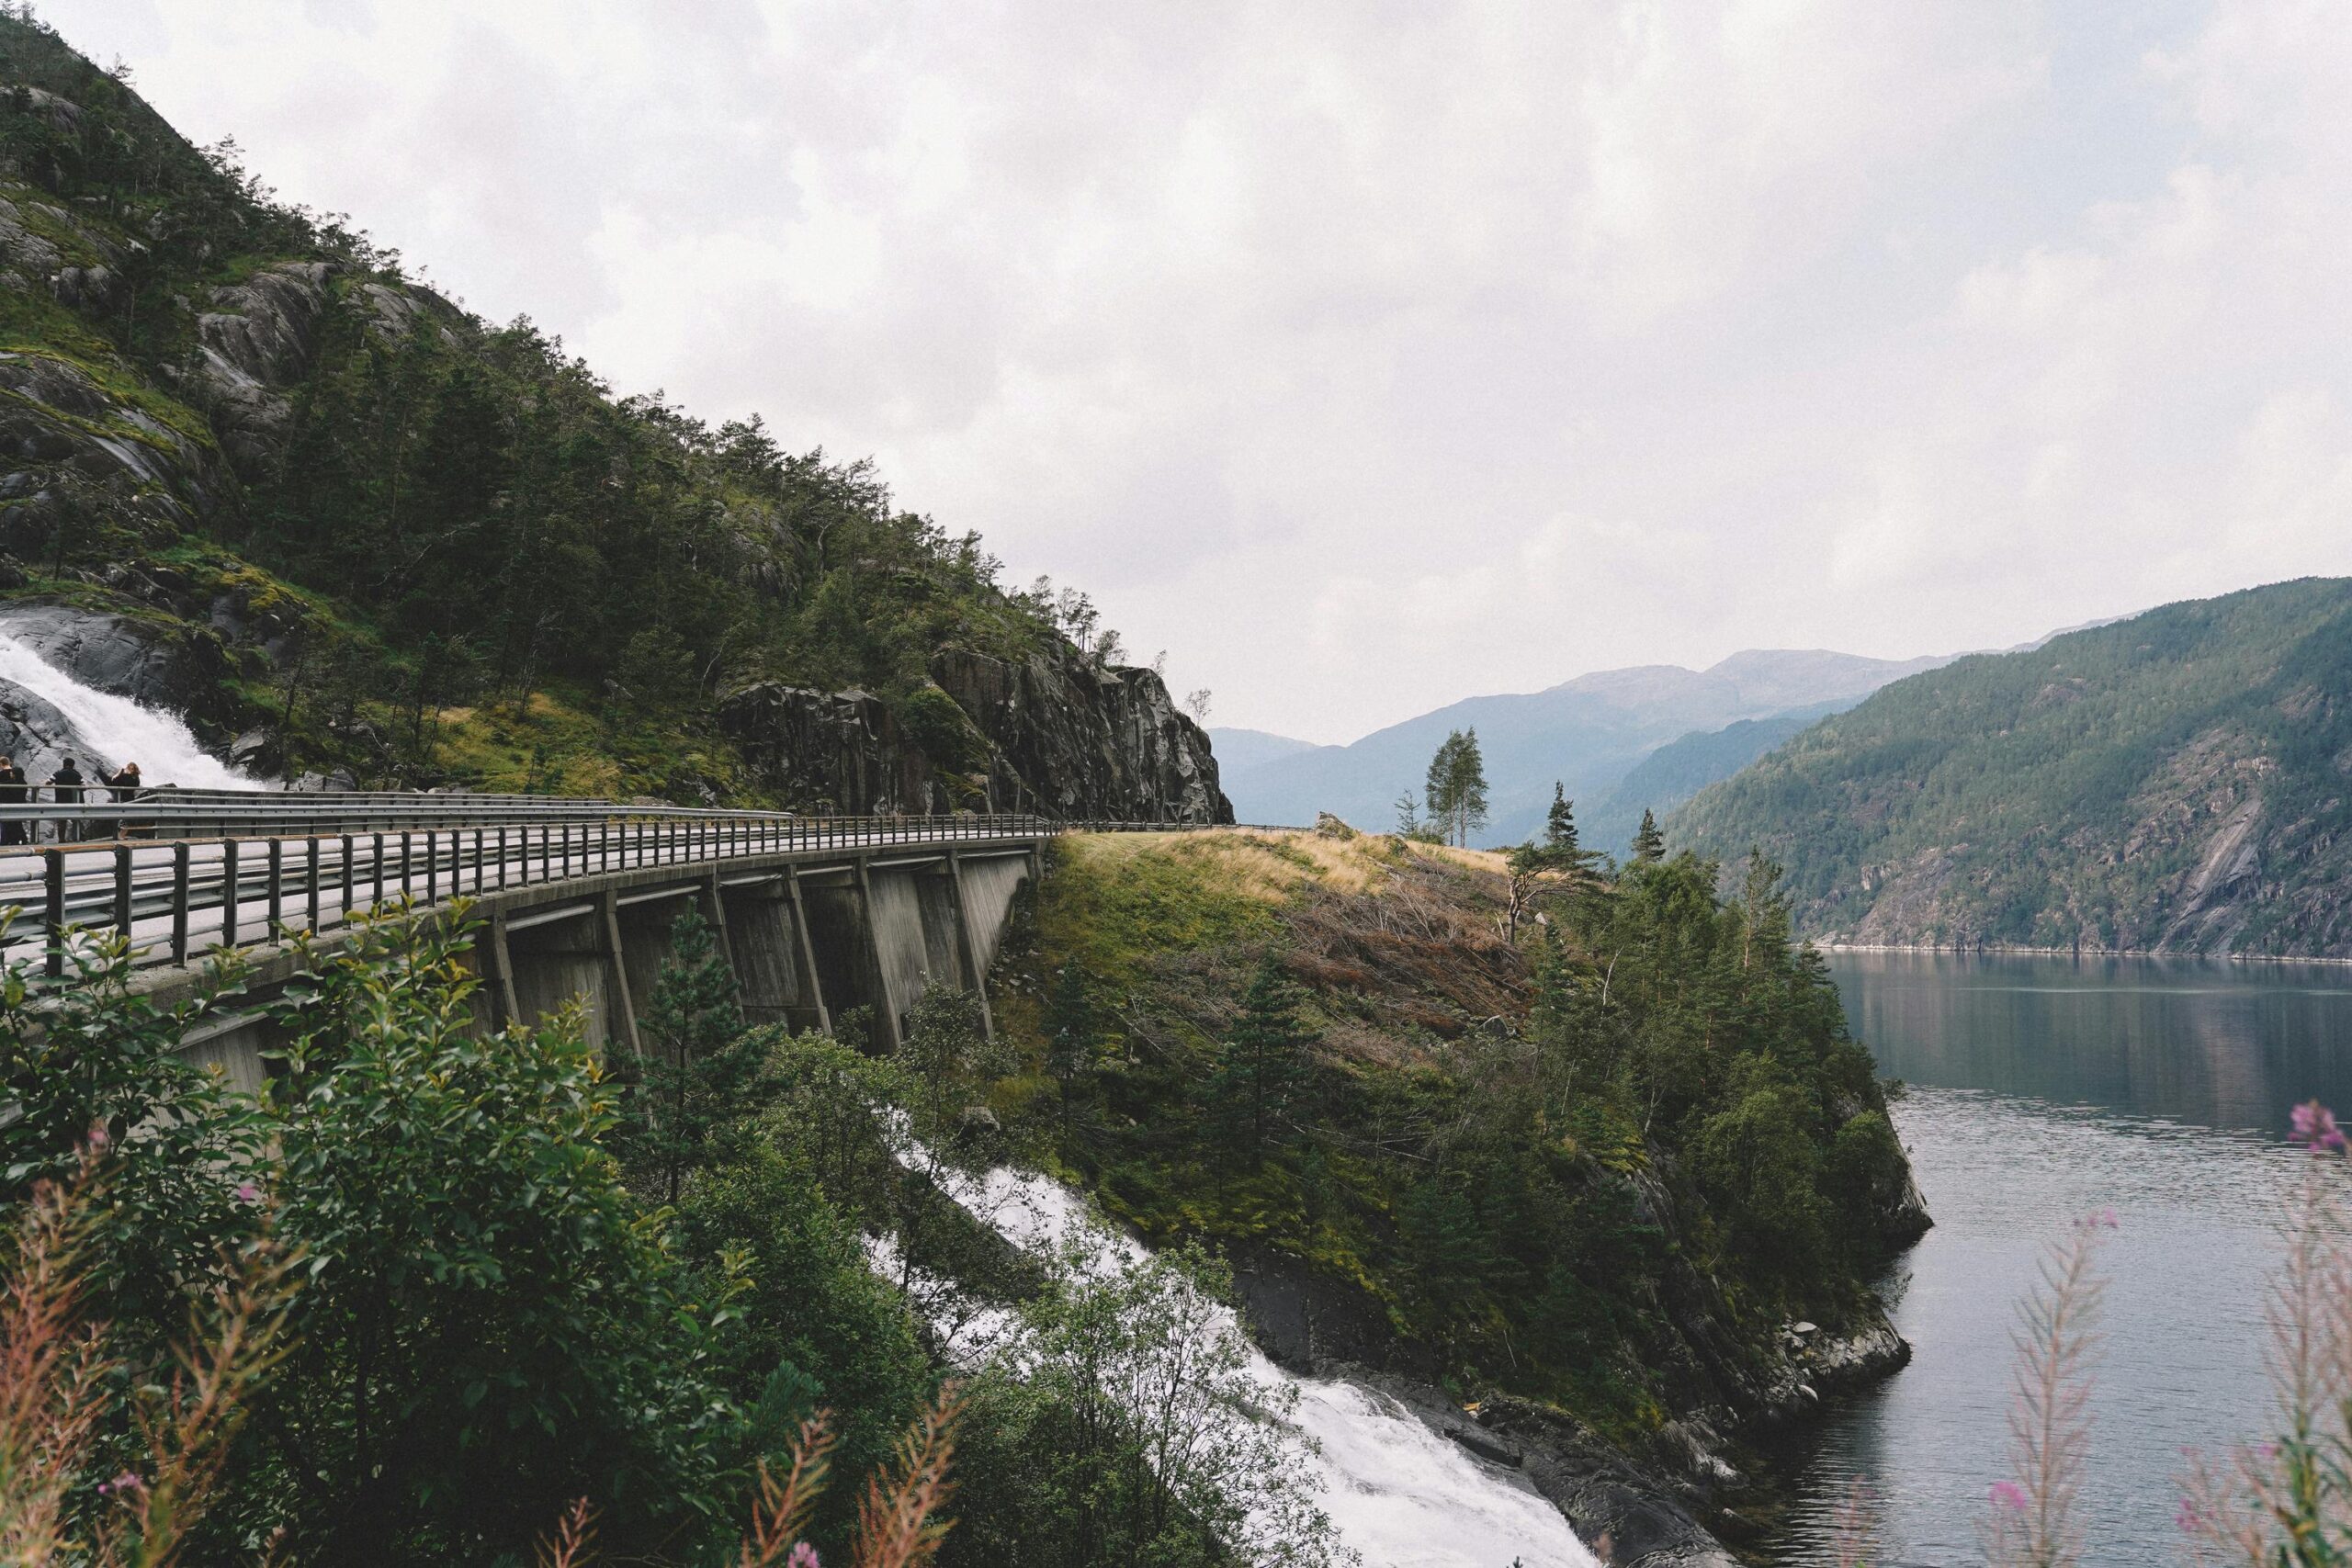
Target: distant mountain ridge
(1588,734)
(2179,781)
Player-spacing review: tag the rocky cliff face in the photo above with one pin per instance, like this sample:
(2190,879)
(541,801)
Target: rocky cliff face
(1054,733)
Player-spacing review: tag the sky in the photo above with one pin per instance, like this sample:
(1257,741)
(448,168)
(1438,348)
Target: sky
(1365,356)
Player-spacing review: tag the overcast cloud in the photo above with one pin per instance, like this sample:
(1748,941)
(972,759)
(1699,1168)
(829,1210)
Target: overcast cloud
(1367,355)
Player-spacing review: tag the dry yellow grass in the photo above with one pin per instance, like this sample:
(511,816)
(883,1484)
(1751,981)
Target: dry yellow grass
(1265,865)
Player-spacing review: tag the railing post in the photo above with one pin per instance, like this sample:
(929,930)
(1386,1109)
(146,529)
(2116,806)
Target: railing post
(228,892)
(52,914)
(378,868)
(277,887)
(310,880)
(179,901)
(433,865)
(122,890)
(350,891)
(404,863)
(502,854)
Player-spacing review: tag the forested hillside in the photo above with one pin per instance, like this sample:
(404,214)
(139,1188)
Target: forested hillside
(2177,783)
(1680,769)
(383,538)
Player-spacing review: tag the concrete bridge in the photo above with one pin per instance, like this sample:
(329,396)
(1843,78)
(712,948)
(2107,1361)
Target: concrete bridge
(815,915)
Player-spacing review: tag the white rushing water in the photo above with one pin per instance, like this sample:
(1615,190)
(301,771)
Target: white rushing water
(111,731)
(1398,1495)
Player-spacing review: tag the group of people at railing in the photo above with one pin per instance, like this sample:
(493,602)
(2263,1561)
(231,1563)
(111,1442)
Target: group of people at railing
(66,787)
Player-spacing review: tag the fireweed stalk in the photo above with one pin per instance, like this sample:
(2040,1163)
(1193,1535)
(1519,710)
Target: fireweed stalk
(2287,1503)
(2032,1520)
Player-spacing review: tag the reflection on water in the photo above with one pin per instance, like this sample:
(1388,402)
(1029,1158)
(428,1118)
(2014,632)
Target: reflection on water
(2045,1089)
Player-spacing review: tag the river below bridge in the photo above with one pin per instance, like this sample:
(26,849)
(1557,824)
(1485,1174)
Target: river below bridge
(2042,1090)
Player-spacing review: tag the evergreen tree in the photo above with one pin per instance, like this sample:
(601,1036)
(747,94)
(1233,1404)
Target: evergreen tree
(1649,844)
(1408,816)
(700,1064)
(1560,823)
(1262,1071)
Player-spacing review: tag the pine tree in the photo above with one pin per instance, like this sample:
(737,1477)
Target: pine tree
(700,1064)
(1262,1071)
(1649,844)
(1560,823)
(1408,816)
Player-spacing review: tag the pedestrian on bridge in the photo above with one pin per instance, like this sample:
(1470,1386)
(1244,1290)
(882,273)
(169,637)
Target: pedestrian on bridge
(65,788)
(124,786)
(14,791)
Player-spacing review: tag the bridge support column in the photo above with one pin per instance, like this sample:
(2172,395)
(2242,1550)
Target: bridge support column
(804,952)
(882,1007)
(966,948)
(714,902)
(608,924)
(504,1012)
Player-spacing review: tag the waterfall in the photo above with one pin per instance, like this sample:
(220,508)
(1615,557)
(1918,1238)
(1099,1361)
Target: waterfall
(104,729)
(1398,1495)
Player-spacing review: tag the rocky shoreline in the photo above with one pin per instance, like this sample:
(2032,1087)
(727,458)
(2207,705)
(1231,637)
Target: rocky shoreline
(2015,949)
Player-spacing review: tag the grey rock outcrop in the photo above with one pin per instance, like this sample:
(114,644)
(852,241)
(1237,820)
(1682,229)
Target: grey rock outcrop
(73,457)
(260,339)
(1081,741)
(841,751)
(1053,733)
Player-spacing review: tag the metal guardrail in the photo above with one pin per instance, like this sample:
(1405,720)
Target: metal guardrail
(178,872)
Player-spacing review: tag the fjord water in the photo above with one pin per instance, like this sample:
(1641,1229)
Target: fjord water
(2044,1089)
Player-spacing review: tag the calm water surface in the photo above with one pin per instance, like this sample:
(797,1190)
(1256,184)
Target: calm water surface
(2044,1089)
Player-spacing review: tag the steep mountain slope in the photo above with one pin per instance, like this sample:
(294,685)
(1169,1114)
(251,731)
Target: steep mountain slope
(2174,782)
(1587,733)
(1680,769)
(381,538)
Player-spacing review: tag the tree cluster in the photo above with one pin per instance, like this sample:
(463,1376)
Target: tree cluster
(1454,796)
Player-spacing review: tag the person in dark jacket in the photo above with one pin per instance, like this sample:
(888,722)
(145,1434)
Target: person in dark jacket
(14,791)
(124,785)
(65,788)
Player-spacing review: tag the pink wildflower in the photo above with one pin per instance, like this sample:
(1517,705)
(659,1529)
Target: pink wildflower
(2315,1127)
(99,1137)
(248,1193)
(803,1556)
(123,1485)
(2188,1517)
(2105,1219)
(2008,1494)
